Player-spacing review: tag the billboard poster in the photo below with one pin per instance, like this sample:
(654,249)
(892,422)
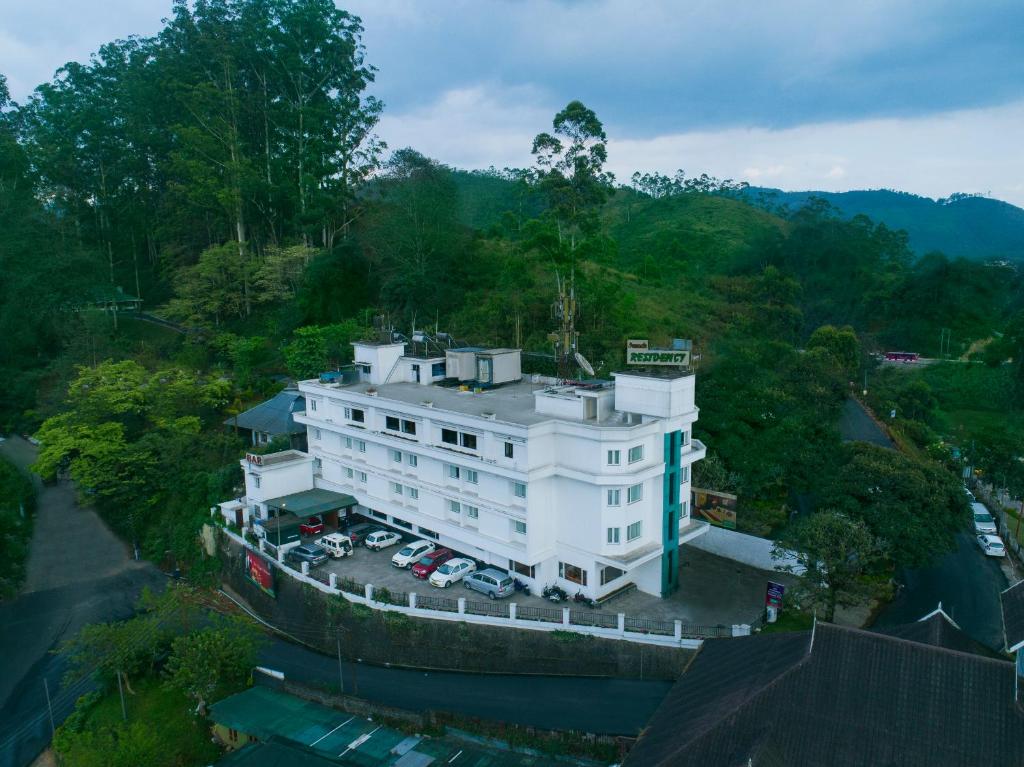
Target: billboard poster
(657,357)
(258,570)
(717,508)
(773,594)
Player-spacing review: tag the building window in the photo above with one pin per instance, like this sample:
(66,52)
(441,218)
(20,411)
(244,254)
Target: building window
(572,573)
(636,453)
(684,473)
(396,456)
(510,450)
(361,446)
(428,533)
(412,492)
(413,460)
(449,436)
(519,489)
(453,471)
(396,488)
(378,514)
(255,480)
(399,523)
(684,438)
(634,531)
(392,423)
(609,574)
(348,472)
(358,415)
(361,476)
(613,534)
(472,476)
(518,527)
(472,512)
(520,569)
(684,508)
(409,427)
(348,413)
(614,496)
(454,507)
(348,442)
(316,434)
(318,464)
(468,441)
(636,493)
(614,458)
(312,405)
(438,369)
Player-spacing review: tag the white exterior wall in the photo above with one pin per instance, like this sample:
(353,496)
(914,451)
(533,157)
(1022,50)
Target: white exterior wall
(563,464)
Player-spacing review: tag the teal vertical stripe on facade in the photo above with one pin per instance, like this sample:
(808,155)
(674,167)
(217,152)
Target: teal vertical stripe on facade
(671,508)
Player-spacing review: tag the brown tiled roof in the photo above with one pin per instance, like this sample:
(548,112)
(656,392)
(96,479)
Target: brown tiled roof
(838,697)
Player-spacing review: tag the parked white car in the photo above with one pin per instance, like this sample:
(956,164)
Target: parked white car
(382,539)
(969,494)
(336,545)
(992,545)
(411,554)
(451,571)
(983,521)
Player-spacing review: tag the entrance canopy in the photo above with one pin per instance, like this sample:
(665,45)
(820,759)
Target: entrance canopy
(310,502)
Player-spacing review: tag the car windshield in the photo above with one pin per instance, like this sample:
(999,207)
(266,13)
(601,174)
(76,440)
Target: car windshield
(406,551)
(983,517)
(445,569)
(995,544)
(426,560)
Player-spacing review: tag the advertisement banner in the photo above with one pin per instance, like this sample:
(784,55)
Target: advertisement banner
(773,594)
(657,357)
(717,508)
(259,571)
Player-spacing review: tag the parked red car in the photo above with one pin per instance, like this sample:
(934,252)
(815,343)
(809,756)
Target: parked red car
(312,526)
(430,562)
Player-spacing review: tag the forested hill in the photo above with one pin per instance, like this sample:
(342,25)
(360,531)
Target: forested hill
(979,228)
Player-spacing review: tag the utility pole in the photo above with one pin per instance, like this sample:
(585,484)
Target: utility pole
(49,706)
(120,690)
(341,676)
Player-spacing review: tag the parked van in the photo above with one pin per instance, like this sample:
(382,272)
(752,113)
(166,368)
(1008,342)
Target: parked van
(492,582)
(983,521)
(336,545)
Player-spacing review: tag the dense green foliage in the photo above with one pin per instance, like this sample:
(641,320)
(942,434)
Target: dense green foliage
(17,505)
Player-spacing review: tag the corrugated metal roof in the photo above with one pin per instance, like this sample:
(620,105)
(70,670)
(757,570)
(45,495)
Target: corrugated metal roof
(310,502)
(275,416)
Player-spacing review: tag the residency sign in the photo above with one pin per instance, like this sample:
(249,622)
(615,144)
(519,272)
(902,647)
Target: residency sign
(657,357)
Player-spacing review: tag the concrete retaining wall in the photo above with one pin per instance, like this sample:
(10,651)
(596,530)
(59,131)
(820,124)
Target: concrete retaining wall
(748,549)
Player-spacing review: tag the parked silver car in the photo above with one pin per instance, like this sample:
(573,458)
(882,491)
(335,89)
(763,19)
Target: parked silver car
(496,584)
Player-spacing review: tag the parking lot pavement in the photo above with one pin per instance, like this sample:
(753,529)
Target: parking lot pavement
(713,590)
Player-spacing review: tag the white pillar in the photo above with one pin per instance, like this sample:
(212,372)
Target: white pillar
(679,630)
(332,579)
(263,545)
(280,555)
(305,568)
(462,605)
(412,600)
(565,616)
(369,592)
(512,611)
(622,623)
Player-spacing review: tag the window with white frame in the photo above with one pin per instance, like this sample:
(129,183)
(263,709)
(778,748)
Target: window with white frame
(318,464)
(472,512)
(684,438)
(636,453)
(684,508)
(635,493)
(468,441)
(684,474)
(454,507)
(361,476)
(453,471)
(614,458)
(358,415)
(412,492)
(518,527)
(392,423)
(519,489)
(614,496)
(396,488)
(348,472)
(413,460)
(510,450)
(634,531)
(256,480)
(472,476)
(361,446)
(396,456)
(613,534)
(316,434)
(408,427)
(572,573)
(449,436)
(348,442)
(348,413)
(312,405)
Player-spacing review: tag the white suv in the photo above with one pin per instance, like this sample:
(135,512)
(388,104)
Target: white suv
(382,539)
(983,522)
(409,555)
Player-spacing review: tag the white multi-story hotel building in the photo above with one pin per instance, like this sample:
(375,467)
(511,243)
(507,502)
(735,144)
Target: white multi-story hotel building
(583,485)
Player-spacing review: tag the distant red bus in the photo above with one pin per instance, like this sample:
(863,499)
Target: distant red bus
(902,356)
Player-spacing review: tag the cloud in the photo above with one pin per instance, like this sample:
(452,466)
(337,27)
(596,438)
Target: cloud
(935,155)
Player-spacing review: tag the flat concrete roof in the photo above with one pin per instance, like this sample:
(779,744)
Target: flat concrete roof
(510,403)
(284,456)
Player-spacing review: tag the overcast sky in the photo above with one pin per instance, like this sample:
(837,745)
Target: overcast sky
(925,96)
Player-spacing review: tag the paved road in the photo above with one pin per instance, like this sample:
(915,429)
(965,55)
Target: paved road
(968,585)
(855,425)
(603,706)
(78,573)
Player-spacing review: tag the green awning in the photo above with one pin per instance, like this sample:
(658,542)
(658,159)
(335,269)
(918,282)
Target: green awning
(310,502)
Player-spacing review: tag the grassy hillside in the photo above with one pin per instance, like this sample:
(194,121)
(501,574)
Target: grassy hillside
(978,228)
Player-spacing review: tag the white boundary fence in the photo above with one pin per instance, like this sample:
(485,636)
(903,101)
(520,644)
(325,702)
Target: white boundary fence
(748,549)
(508,614)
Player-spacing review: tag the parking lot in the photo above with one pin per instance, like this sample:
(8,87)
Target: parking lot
(713,590)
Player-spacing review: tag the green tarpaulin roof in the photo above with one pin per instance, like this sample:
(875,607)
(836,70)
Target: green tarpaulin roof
(310,502)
